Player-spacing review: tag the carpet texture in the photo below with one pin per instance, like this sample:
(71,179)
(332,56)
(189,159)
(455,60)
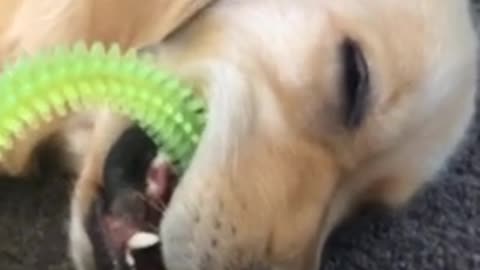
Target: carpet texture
(439,230)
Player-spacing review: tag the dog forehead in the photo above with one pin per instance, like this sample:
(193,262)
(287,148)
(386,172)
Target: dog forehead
(283,36)
(275,22)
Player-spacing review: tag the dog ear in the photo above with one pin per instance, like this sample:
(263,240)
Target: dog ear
(140,23)
(28,25)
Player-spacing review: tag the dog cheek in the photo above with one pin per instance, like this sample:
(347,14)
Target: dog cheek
(302,180)
(306,217)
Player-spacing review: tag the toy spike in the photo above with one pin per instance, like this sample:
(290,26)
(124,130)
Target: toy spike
(53,83)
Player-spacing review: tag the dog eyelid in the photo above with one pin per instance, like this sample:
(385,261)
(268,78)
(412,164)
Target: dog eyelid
(355,83)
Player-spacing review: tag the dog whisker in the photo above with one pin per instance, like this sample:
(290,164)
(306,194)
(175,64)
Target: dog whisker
(157,206)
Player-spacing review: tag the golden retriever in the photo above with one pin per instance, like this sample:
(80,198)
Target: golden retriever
(315,107)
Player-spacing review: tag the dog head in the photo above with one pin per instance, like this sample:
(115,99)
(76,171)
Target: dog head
(314,106)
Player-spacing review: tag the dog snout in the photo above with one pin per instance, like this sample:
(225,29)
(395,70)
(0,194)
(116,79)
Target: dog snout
(201,236)
(259,210)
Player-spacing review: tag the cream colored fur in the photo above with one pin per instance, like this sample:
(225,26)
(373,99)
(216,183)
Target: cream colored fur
(275,170)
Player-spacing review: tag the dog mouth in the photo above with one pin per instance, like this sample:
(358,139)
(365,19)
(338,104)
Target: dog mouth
(123,224)
(124,229)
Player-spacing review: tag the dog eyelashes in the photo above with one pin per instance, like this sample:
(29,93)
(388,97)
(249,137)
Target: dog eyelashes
(355,84)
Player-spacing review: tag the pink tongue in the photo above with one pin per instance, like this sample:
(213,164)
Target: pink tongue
(159,181)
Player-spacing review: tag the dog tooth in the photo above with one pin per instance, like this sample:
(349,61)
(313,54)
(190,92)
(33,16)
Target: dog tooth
(129,259)
(142,240)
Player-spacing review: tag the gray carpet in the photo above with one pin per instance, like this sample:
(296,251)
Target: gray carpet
(439,230)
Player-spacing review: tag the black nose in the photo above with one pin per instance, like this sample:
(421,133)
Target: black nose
(127,163)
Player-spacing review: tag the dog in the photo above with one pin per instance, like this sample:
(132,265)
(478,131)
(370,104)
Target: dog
(314,108)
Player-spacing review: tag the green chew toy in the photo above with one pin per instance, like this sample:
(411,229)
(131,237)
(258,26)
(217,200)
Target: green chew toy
(54,83)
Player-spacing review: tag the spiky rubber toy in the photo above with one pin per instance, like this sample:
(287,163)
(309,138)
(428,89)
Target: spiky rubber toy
(35,90)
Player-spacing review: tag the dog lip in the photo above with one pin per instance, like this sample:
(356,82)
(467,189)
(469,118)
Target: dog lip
(118,232)
(114,237)
(105,256)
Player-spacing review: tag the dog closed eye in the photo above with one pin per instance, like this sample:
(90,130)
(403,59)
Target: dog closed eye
(355,84)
